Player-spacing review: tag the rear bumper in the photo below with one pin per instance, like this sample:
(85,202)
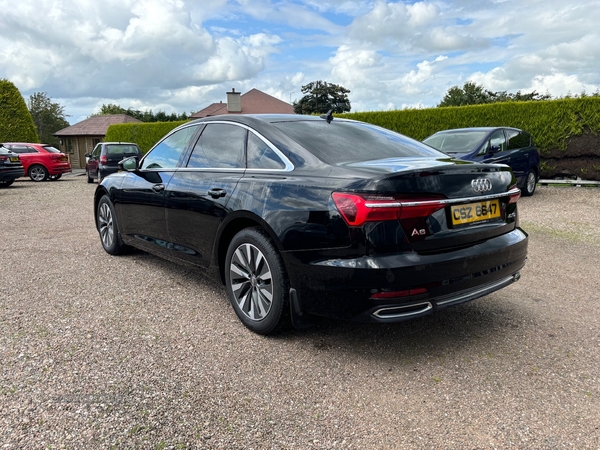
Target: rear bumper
(59,169)
(105,171)
(345,288)
(11,174)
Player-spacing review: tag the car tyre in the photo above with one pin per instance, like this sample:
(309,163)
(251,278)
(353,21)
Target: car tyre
(89,179)
(38,173)
(530,183)
(54,177)
(6,183)
(106,224)
(257,282)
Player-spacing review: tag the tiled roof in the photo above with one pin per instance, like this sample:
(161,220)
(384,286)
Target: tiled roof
(95,125)
(253,102)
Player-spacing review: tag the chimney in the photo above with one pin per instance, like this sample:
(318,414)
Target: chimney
(234,103)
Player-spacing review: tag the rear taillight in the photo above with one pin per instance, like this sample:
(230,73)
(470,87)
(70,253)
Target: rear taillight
(104,159)
(515,194)
(359,209)
(3,158)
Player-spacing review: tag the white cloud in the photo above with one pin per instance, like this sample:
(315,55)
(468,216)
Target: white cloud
(185,54)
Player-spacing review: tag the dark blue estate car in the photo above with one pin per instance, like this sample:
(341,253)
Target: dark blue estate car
(493,145)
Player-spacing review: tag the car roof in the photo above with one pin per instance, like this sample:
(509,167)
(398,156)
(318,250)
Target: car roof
(248,119)
(118,143)
(486,129)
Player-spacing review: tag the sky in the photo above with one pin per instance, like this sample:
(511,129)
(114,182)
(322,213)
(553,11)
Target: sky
(180,56)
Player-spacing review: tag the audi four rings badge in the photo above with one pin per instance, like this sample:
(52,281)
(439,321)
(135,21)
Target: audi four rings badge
(481,185)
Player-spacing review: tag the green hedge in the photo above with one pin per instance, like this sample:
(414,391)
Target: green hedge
(550,123)
(143,134)
(16,123)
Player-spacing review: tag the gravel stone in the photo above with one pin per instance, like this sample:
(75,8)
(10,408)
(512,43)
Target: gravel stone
(133,351)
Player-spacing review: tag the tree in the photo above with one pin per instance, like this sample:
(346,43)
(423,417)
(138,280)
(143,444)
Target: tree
(144,116)
(321,97)
(16,124)
(469,94)
(474,94)
(48,117)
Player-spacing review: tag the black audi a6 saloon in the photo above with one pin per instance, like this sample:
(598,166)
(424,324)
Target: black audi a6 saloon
(301,216)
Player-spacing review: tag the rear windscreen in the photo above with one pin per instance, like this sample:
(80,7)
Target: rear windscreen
(457,141)
(122,150)
(344,142)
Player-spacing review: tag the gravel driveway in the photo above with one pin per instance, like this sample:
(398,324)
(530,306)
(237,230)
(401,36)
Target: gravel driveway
(135,352)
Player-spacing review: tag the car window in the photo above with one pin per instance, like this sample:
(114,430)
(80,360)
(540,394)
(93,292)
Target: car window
(517,139)
(260,155)
(97,150)
(50,149)
(498,140)
(220,146)
(456,141)
(121,150)
(23,149)
(344,142)
(166,154)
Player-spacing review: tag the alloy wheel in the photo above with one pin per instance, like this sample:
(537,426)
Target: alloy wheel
(251,282)
(530,182)
(37,173)
(105,225)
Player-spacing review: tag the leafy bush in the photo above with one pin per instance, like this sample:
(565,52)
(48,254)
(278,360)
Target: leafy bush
(143,134)
(16,123)
(550,122)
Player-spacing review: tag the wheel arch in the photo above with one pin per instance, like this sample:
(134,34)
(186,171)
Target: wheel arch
(100,192)
(233,226)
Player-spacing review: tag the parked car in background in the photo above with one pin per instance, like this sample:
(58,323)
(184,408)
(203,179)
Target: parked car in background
(41,161)
(301,215)
(498,145)
(10,167)
(105,158)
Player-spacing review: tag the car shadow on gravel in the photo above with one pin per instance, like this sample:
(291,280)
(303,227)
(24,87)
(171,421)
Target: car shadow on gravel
(466,327)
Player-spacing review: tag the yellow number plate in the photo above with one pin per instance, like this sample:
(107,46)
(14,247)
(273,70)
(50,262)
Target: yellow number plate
(475,212)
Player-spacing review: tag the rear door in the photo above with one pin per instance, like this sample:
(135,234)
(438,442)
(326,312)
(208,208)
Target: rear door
(92,163)
(519,148)
(198,194)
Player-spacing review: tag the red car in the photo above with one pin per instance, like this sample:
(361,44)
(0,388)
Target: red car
(41,161)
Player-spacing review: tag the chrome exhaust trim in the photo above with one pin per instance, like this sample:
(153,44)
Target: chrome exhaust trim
(394,312)
(484,290)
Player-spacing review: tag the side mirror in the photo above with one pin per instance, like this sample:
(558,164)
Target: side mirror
(494,149)
(130,164)
(88,155)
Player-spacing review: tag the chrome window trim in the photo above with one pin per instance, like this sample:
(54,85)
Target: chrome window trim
(284,159)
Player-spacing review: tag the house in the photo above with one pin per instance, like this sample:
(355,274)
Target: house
(252,102)
(81,138)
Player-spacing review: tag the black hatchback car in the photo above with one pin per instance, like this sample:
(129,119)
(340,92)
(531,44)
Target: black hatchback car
(11,167)
(301,216)
(105,158)
(498,145)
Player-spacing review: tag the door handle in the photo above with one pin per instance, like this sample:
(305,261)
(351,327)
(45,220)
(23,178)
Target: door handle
(158,188)
(217,193)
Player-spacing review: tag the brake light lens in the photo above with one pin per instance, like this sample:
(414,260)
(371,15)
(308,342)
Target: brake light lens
(3,158)
(514,196)
(104,159)
(358,209)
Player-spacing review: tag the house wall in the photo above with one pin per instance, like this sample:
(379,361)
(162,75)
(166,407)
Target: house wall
(75,147)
